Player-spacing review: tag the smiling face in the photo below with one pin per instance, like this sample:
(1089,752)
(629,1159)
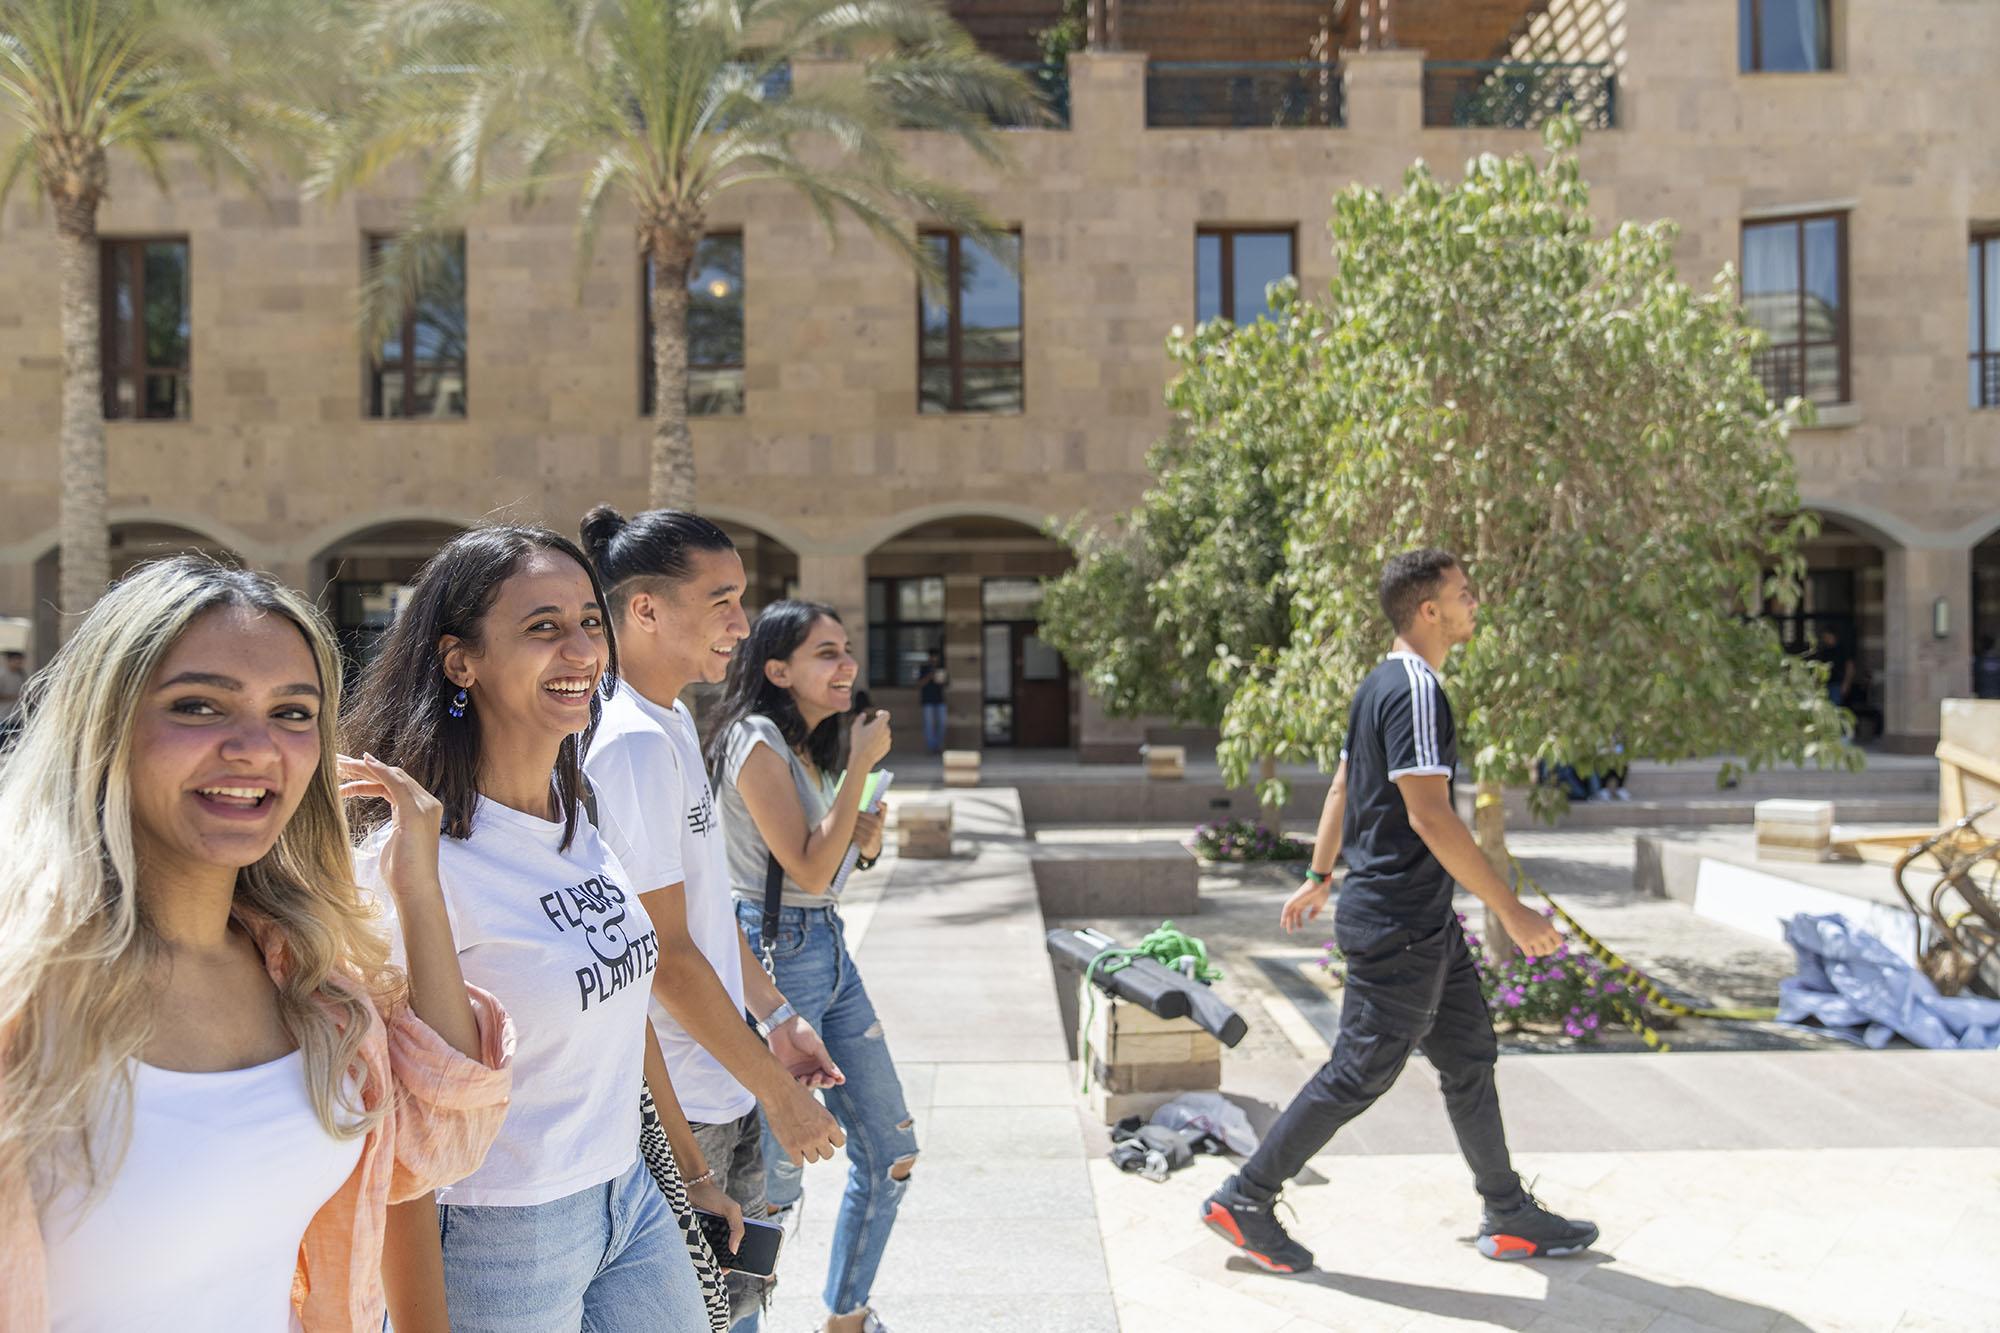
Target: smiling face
(819,673)
(226,741)
(694,625)
(542,649)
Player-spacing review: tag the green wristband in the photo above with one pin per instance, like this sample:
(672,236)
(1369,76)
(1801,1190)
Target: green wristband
(1318,876)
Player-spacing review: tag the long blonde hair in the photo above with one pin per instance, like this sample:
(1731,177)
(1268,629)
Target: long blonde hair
(75,946)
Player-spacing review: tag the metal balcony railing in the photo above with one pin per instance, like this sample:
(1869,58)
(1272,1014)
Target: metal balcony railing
(1518,95)
(1985,379)
(1209,94)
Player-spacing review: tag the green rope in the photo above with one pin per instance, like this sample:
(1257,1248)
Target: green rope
(1169,946)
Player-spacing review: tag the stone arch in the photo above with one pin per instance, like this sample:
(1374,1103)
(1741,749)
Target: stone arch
(889,529)
(358,573)
(136,536)
(964,580)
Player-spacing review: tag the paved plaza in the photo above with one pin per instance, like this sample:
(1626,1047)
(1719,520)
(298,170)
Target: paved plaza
(1803,1185)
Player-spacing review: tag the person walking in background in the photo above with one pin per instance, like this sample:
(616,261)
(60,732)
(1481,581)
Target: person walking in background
(1411,981)
(675,587)
(930,695)
(788,817)
(212,1082)
(1986,669)
(486,689)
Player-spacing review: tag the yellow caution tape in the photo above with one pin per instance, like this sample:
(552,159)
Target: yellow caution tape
(1635,979)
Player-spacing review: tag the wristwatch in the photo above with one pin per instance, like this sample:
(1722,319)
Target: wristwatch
(784,1013)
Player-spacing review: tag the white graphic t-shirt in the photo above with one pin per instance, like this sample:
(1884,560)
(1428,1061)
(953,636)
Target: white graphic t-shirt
(561,938)
(655,809)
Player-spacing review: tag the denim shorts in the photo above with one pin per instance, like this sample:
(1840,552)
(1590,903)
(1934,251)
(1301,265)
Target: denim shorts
(608,1259)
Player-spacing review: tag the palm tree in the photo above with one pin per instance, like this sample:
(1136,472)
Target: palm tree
(664,104)
(155,79)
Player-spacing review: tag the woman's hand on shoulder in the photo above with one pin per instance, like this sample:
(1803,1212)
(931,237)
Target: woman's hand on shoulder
(409,855)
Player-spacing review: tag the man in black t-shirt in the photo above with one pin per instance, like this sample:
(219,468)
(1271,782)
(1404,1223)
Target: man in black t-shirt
(1411,982)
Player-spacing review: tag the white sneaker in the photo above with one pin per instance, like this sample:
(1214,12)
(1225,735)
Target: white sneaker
(1600,795)
(1623,795)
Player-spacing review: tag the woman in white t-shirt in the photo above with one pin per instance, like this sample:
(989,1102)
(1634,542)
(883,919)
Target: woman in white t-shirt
(487,688)
(211,1082)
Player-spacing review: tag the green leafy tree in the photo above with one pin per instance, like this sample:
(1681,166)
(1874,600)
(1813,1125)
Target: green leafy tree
(212,81)
(1159,615)
(665,104)
(1492,374)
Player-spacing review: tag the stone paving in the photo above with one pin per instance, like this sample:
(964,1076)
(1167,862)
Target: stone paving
(1738,1189)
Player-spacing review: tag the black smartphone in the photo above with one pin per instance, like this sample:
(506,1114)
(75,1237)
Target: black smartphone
(759,1253)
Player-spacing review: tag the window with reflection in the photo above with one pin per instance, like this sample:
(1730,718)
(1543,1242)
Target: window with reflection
(905,626)
(1784,36)
(969,335)
(1983,331)
(418,371)
(1232,268)
(714,328)
(1795,289)
(144,329)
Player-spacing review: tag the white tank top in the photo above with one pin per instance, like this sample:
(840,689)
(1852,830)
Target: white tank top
(200,1228)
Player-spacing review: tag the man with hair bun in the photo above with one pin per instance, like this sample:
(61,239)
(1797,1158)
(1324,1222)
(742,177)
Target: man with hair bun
(674,584)
(1411,982)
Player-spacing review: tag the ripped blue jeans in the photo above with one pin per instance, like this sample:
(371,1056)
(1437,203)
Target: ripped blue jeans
(817,974)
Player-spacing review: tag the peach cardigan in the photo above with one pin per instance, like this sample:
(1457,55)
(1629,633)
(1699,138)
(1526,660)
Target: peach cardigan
(447,1112)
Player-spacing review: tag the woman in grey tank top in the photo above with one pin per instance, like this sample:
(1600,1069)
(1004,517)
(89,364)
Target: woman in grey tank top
(789,790)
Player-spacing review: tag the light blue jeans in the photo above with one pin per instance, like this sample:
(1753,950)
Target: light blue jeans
(609,1259)
(818,976)
(936,718)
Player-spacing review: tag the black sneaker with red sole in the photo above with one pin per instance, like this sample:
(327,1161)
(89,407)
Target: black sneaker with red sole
(1252,1226)
(1532,1232)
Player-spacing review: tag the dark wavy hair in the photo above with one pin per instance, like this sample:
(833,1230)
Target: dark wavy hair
(781,627)
(647,552)
(400,713)
(1411,579)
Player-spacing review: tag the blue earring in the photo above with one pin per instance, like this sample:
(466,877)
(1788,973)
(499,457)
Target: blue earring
(458,704)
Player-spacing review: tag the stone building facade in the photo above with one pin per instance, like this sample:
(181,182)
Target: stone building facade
(834,478)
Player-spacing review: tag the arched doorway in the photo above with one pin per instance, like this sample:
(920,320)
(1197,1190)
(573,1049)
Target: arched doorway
(360,580)
(969,588)
(1986,615)
(770,568)
(1842,618)
(132,544)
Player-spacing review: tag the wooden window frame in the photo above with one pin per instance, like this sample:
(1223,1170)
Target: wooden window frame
(1843,326)
(1985,246)
(407,335)
(954,359)
(891,622)
(1227,260)
(114,253)
(646,388)
(1756,53)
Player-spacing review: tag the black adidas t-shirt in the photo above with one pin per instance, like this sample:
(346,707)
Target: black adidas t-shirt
(1400,724)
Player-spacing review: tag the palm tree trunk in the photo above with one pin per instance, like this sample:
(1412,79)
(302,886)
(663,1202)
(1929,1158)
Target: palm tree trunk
(671,476)
(1489,830)
(82,529)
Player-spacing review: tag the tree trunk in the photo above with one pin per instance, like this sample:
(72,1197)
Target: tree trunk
(1489,829)
(671,476)
(1269,812)
(82,527)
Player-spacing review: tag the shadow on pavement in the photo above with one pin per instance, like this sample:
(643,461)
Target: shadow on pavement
(1705,1308)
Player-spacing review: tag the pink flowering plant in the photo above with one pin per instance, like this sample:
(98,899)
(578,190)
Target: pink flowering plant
(1244,840)
(1568,989)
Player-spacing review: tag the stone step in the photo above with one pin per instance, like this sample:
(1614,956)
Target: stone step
(1719,808)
